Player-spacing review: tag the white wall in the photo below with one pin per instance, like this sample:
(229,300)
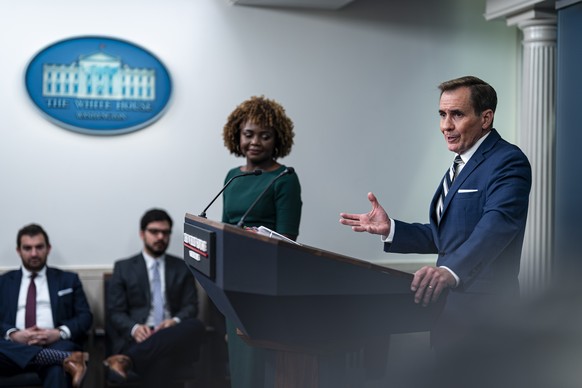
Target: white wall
(360,84)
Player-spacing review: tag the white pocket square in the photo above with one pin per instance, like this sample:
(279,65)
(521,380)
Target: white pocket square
(65,291)
(461,191)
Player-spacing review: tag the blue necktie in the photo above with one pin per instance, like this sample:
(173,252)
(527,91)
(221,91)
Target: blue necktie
(157,298)
(447,182)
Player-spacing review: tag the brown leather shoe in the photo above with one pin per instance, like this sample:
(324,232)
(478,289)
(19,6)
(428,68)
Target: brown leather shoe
(118,364)
(76,366)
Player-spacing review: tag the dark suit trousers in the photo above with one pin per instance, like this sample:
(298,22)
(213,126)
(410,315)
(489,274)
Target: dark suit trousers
(52,376)
(157,359)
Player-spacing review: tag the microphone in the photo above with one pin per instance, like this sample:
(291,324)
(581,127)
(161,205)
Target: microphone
(288,171)
(255,172)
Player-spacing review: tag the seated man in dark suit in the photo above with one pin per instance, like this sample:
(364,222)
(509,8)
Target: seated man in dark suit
(42,307)
(152,306)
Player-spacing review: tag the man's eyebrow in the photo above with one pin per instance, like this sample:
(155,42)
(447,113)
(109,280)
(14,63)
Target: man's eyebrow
(456,110)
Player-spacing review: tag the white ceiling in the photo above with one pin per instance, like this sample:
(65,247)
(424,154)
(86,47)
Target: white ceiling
(320,4)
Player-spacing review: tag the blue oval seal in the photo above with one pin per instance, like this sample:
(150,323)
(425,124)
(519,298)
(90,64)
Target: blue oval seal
(98,85)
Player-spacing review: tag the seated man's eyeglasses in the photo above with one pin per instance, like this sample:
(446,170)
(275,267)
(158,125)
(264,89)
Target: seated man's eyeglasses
(155,232)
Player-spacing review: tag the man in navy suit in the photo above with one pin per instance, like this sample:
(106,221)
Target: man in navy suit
(152,346)
(477,229)
(59,320)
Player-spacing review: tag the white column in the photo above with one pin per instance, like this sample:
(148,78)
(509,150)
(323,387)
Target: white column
(536,137)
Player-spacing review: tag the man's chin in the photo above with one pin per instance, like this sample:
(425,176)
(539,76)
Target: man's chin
(158,251)
(453,147)
(34,267)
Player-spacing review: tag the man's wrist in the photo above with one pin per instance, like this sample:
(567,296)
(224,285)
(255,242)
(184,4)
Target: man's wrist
(457,280)
(10,331)
(134,329)
(390,236)
(64,332)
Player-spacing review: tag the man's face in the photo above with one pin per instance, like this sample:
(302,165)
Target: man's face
(156,237)
(33,251)
(460,125)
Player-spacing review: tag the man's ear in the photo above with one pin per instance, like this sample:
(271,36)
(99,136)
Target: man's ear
(487,118)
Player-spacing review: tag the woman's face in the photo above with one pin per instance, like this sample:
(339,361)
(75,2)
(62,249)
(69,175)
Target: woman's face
(257,144)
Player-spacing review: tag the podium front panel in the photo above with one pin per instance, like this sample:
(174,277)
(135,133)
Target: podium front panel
(298,295)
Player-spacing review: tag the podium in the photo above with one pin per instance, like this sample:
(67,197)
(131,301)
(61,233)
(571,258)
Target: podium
(306,304)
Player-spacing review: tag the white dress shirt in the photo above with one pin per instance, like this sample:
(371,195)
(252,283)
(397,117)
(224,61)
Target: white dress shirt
(44,313)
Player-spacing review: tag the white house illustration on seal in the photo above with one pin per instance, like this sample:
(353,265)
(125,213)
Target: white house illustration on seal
(98,76)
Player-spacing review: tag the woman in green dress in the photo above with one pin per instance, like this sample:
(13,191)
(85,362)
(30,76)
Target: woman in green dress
(260,131)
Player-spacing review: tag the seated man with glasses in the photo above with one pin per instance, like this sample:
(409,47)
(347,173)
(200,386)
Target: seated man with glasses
(152,306)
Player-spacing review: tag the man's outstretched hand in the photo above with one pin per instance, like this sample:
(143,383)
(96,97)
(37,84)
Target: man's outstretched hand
(375,222)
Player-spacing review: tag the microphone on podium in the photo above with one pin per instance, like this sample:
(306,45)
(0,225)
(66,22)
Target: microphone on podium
(255,172)
(287,171)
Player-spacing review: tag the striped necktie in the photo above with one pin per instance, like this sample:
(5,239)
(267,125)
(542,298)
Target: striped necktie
(447,182)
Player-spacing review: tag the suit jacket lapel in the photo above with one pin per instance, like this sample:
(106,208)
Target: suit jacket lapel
(171,278)
(477,158)
(142,274)
(170,272)
(14,291)
(53,286)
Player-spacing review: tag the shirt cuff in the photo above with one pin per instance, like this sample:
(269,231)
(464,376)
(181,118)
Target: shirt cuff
(390,237)
(457,280)
(10,331)
(178,320)
(65,332)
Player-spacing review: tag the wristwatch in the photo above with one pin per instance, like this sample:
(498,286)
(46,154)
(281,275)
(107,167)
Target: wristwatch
(63,334)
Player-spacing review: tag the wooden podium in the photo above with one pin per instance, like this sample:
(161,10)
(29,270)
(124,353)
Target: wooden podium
(307,304)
